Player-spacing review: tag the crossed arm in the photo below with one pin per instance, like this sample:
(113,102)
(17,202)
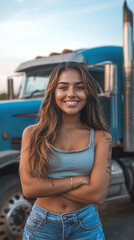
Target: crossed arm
(34,187)
(85,190)
(97,189)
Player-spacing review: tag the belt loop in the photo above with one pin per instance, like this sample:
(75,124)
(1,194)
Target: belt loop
(75,219)
(45,216)
(63,229)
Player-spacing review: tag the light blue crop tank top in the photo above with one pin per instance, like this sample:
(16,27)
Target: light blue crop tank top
(72,163)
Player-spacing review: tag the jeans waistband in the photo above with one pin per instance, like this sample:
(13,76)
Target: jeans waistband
(79,213)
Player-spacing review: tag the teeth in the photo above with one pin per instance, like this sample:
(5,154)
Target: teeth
(71,102)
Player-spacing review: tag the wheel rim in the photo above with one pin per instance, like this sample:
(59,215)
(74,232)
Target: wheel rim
(13,215)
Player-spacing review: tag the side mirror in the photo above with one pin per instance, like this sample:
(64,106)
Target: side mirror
(110,80)
(10,88)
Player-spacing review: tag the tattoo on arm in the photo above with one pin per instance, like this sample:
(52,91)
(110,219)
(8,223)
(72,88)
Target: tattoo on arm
(109,171)
(109,166)
(108,141)
(52,182)
(109,144)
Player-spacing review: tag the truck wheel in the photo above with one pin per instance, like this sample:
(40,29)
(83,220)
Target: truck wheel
(14,208)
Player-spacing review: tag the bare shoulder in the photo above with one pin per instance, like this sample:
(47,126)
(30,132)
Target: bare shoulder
(26,136)
(102,136)
(28,131)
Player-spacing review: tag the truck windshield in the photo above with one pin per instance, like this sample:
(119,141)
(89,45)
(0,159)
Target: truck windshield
(35,86)
(35,82)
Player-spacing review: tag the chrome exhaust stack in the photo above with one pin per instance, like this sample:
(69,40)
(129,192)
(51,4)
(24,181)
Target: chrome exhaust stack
(128,86)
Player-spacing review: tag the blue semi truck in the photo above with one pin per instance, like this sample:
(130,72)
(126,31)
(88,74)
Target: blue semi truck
(113,69)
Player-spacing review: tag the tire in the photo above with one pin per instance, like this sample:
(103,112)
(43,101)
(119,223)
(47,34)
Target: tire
(132,193)
(14,208)
(132,197)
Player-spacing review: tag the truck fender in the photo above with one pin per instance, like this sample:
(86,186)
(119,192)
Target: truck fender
(9,157)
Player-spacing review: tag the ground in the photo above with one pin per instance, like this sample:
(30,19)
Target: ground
(118,219)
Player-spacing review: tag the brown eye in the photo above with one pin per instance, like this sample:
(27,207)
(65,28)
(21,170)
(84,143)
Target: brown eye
(80,88)
(63,87)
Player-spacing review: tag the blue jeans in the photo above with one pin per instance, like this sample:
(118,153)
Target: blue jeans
(45,225)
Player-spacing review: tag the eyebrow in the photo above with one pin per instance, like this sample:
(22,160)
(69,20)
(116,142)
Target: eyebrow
(68,83)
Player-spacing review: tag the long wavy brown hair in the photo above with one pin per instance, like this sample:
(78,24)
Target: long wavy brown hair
(44,133)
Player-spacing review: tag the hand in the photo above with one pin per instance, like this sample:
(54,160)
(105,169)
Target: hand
(85,179)
(77,181)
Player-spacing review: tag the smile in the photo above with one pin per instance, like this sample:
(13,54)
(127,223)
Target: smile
(71,103)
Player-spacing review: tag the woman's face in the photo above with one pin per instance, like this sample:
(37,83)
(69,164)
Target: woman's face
(70,94)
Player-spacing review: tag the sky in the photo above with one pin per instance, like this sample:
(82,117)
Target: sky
(30,28)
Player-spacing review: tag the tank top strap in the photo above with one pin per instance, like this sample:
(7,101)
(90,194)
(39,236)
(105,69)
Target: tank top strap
(92,136)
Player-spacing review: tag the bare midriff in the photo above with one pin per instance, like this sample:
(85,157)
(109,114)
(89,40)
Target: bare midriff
(59,204)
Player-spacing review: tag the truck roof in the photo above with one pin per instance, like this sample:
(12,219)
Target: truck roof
(52,60)
(85,56)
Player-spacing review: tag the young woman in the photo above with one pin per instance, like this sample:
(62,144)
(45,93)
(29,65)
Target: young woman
(66,159)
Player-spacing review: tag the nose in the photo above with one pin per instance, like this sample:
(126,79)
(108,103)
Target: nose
(71,92)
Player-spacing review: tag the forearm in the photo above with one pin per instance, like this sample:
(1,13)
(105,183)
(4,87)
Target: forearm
(87,194)
(35,187)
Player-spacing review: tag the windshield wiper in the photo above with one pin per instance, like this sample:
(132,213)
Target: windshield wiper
(34,92)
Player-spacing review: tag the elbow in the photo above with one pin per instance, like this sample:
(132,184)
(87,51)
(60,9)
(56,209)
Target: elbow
(97,198)
(100,201)
(100,198)
(27,192)
(28,195)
